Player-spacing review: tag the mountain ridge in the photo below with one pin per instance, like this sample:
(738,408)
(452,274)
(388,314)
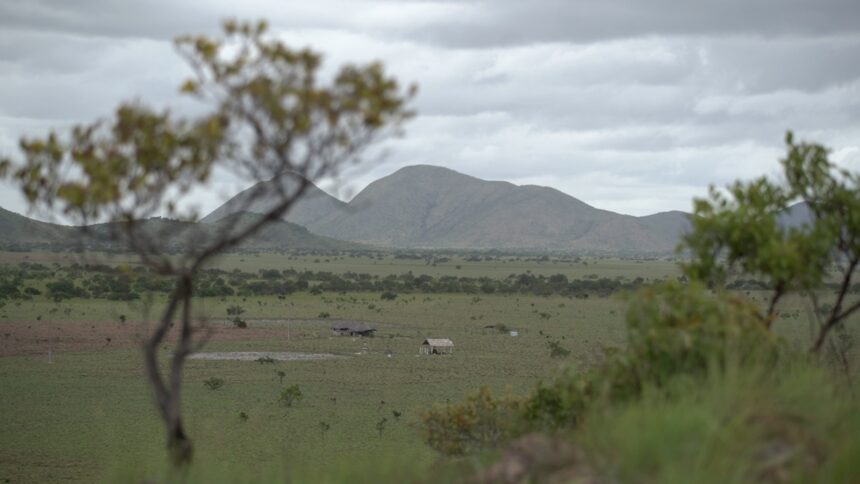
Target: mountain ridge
(18,232)
(428,206)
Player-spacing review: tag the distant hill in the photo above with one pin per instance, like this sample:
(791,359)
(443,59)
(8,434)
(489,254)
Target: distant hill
(313,206)
(22,233)
(415,207)
(18,230)
(433,207)
(284,235)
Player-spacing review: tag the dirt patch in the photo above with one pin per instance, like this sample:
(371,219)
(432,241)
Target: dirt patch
(256,355)
(40,337)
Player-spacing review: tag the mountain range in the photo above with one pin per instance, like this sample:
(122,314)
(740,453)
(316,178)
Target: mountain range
(21,233)
(416,207)
(426,206)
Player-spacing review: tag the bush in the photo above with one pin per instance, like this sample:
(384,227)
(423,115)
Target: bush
(556,350)
(755,422)
(388,296)
(235,310)
(64,289)
(673,330)
(478,422)
(213,383)
(290,395)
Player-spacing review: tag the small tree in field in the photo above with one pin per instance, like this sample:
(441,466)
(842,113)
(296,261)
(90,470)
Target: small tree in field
(324,427)
(270,122)
(742,231)
(290,395)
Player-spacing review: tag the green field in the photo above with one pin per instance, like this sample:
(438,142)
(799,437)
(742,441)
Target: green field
(86,414)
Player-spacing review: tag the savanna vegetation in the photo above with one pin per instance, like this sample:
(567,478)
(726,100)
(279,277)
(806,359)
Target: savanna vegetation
(737,364)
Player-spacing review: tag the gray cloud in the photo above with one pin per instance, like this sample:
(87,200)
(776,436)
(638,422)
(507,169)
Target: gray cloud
(629,105)
(510,22)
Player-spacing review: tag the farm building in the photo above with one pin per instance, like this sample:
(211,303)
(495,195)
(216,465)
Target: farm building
(437,346)
(351,328)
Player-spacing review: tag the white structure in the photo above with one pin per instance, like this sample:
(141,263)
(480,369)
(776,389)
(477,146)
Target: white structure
(436,346)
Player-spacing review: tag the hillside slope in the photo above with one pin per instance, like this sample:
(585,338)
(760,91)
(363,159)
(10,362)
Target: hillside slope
(21,233)
(312,207)
(433,207)
(17,230)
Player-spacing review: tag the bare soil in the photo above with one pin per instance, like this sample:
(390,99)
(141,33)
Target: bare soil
(256,355)
(40,337)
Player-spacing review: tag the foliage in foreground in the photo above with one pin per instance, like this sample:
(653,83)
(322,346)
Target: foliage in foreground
(748,230)
(702,393)
(673,330)
(746,423)
(270,120)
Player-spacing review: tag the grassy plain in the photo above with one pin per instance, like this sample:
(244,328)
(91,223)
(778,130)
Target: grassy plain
(83,412)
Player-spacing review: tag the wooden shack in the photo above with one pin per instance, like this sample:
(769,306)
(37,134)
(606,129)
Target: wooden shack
(352,328)
(436,346)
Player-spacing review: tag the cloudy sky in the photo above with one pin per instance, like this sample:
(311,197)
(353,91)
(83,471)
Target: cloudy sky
(630,105)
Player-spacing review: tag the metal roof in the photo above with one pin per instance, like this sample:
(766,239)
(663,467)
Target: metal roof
(358,326)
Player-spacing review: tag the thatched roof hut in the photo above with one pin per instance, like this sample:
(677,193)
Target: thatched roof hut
(437,346)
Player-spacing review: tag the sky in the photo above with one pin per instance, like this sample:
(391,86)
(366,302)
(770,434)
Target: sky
(629,105)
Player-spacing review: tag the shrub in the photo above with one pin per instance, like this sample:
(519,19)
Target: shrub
(478,422)
(556,350)
(213,383)
(380,426)
(757,423)
(388,296)
(290,395)
(673,330)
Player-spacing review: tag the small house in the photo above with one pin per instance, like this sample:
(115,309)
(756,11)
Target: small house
(437,346)
(352,328)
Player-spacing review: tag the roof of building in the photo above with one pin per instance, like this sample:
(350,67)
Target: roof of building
(357,326)
(438,342)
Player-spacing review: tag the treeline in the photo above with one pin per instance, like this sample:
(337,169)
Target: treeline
(272,282)
(128,283)
(101,281)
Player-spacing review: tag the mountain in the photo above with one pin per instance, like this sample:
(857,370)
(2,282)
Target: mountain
(433,207)
(282,235)
(313,206)
(18,230)
(21,233)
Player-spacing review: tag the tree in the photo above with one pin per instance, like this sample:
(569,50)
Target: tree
(270,121)
(290,395)
(747,230)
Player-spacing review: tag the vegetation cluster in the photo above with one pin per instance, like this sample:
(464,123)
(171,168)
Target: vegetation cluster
(126,284)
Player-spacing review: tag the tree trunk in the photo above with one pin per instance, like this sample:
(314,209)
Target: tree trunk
(167,393)
(179,447)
